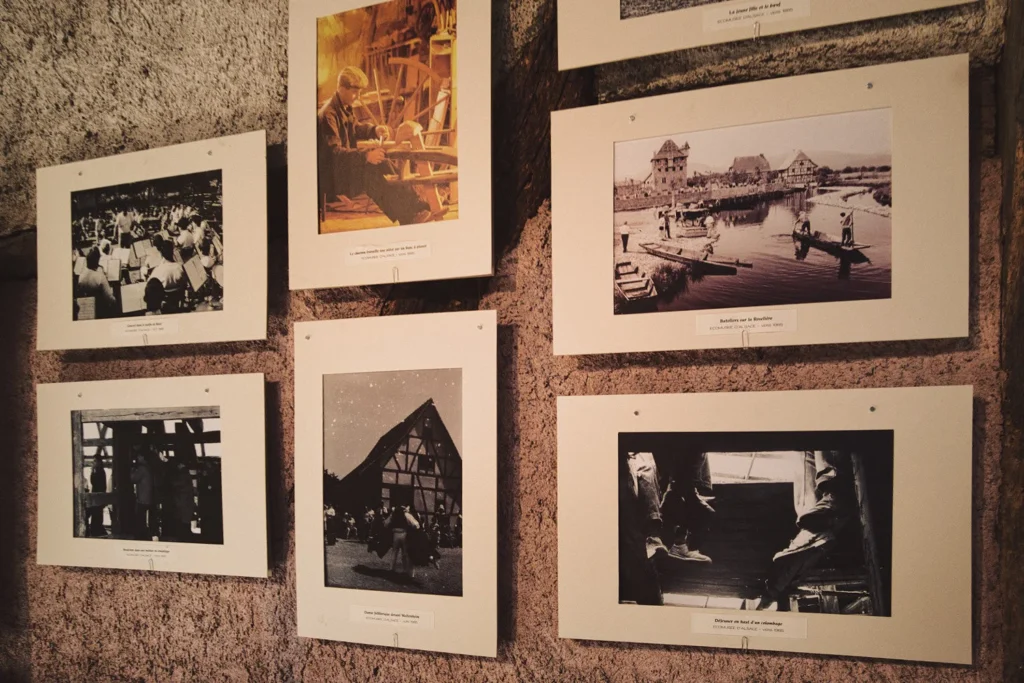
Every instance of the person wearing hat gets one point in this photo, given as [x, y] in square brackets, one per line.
[344, 169]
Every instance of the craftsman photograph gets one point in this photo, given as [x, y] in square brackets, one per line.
[787, 212]
[832, 522]
[392, 486]
[148, 475]
[153, 247]
[642, 8]
[387, 127]
[759, 521]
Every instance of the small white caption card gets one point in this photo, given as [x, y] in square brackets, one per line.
[749, 12]
[396, 251]
[772, 626]
[404, 618]
[149, 325]
[747, 321]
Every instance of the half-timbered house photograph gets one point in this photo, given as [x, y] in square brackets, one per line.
[392, 493]
[148, 474]
[387, 123]
[784, 212]
[772, 521]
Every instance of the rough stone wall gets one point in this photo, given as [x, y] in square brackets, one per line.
[91, 78]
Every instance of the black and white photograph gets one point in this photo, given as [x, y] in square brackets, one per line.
[643, 8]
[153, 247]
[148, 475]
[392, 481]
[786, 212]
[760, 521]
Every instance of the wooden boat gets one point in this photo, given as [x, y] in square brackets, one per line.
[829, 243]
[632, 284]
[696, 260]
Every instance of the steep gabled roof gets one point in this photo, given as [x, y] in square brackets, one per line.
[795, 156]
[386, 445]
[669, 150]
[750, 164]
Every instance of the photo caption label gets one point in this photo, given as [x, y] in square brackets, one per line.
[398, 251]
[403, 618]
[769, 626]
[747, 13]
[736, 323]
[140, 326]
[147, 553]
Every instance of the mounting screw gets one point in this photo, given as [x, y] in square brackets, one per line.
[870, 85]
[479, 327]
[79, 394]
[872, 409]
[308, 336]
[632, 118]
[636, 412]
[207, 390]
[210, 153]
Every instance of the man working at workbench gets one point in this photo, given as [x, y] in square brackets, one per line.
[346, 170]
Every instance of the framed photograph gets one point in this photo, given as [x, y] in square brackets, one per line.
[389, 155]
[624, 29]
[152, 236]
[790, 521]
[809, 219]
[396, 470]
[154, 474]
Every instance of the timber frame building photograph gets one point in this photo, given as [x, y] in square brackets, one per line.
[148, 474]
[415, 464]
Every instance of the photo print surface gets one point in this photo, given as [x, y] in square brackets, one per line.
[763, 521]
[148, 248]
[393, 481]
[642, 8]
[387, 116]
[148, 474]
[785, 212]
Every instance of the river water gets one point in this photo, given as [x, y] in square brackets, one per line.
[782, 273]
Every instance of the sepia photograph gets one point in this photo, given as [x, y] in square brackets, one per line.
[642, 8]
[387, 124]
[153, 247]
[392, 481]
[787, 212]
[148, 474]
[761, 521]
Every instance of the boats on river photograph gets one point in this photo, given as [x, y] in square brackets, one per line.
[778, 213]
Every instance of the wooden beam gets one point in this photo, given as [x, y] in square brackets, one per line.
[167, 438]
[878, 600]
[149, 414]
[77, 464]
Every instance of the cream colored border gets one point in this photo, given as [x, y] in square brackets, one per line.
[466, 625]
[592, 32]
[243, 472]
[243, 162]
[458, 248]
[930, 249]
[931, 516]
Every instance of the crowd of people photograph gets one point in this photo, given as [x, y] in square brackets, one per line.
[148, 248]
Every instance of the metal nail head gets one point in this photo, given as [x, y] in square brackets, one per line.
[870, 85]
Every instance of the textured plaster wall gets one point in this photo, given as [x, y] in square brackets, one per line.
[91, 78]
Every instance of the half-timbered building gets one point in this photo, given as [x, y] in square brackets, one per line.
[415, 463]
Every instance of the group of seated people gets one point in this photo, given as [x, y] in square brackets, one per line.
[164, 275]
